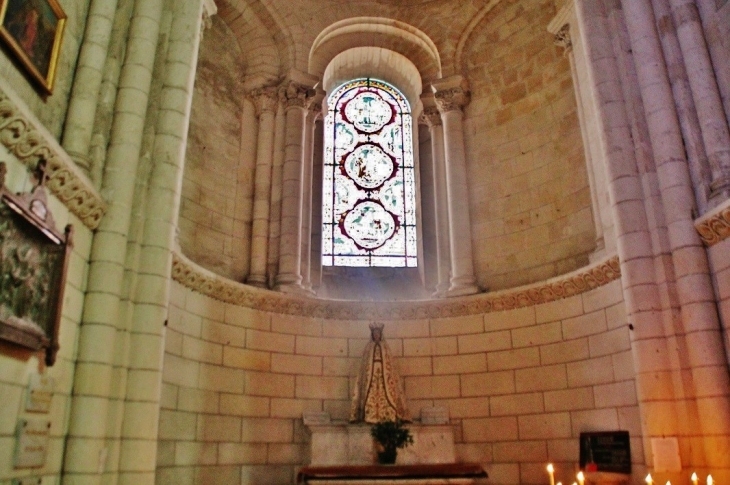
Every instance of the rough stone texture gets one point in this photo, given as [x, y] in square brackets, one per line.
[214, 229]
[530, 199]
[522, 411]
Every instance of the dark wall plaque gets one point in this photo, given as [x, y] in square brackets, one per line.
[608, 451]
[34, 258]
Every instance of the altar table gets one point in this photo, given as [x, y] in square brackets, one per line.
[451, 473]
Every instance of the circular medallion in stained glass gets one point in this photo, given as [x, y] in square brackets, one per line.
[368, 112]
[369, 224]
[369, 166]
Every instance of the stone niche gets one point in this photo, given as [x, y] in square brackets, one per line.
[351, 444]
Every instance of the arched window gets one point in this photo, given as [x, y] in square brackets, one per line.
[368, 198]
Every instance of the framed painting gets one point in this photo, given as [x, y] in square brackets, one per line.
[34, 258]
[33, 30]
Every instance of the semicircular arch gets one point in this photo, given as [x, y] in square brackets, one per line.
[376, 63]
[388, 34]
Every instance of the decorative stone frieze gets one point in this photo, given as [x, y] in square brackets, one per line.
[19, 135]
[430, 116]
[452, 99]
[562, 38]
[714, 226]
[203, 281]
[265, 100]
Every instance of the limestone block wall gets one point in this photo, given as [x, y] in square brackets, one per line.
[215, 214]
[520, 384]
[51, 111]
[17, 365]
[719, 256]
[530, 197]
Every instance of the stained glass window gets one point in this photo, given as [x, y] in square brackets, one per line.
[369, 195]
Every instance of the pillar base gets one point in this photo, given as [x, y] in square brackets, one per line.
[293, 289]
[259, 281]
[461, 290]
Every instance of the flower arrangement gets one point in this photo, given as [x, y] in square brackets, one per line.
[390, 435]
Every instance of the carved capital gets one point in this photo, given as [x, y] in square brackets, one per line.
[714, 227]
[430, 116]
[451, 99]
[562, 38]
[295, 95]
[265, 100]
[209, 9]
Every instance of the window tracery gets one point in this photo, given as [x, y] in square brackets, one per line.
[369, 208]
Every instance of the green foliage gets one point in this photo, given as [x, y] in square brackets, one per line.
[391, 434]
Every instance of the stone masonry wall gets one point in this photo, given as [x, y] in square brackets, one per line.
[520, 385]
[530, 198]
[214, 228]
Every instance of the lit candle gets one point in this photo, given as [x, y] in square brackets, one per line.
[694, 479]
[669, 483]
[649, 480]
[551, 472]
[581, 478]
[709, 480]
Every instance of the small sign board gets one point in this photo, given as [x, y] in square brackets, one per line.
[606, 451]
[40, 393]
[33, 437]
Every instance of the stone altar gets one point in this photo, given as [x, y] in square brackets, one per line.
[351, 444]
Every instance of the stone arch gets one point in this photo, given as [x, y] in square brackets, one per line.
[459, 55]
[266, 53]
[389, 34]
[375, 62]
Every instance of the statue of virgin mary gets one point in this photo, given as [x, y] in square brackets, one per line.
[378, 394]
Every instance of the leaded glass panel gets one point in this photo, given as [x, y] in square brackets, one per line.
[369, 186]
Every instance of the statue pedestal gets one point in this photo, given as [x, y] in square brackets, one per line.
[351, 444]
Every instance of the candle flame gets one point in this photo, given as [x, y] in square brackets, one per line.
[580, 476]
[709, 480]
[694, 477]
[550, 468]
[648, 479]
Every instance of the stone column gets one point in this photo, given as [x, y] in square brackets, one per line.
[313, 114]
[137, 461]
[441, 207]
[700, 323]
[717, 42]
[686, 111]
[451, 97]
[706, 96]
[296, 98]
[272, 259]
[653, 366]
[563, 39]
[87, 82]
[266, 103]
[86, 446]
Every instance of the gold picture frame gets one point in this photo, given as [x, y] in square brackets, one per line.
[33, 31]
